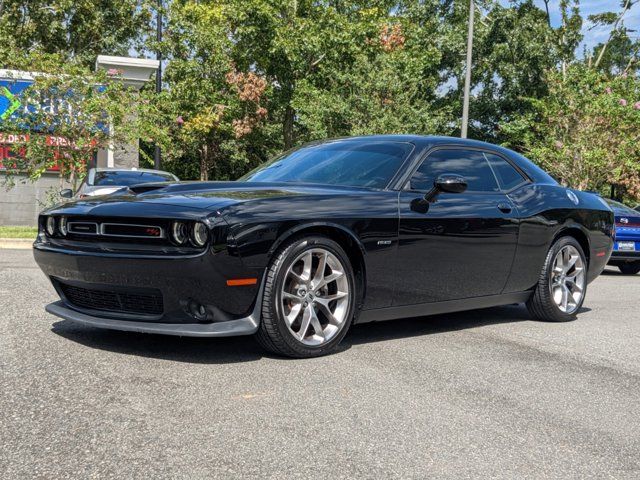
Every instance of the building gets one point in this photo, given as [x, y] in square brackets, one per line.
[20, 204]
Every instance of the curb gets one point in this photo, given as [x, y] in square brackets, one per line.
[17, 243]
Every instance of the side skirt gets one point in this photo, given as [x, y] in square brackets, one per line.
[434, 308]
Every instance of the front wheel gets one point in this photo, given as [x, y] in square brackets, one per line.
[629, 268]
[309, 298]
[562, 284]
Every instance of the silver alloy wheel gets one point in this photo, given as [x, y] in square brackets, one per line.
[315, 297]
[567, 279]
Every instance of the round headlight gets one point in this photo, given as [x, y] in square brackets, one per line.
[51, 226]
[199, 234]
[179, 233]
[62, 226]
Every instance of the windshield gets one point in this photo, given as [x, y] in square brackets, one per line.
[347, 163]
[129, 177]
[620, 208]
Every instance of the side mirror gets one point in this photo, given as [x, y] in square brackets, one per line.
[66, 193]
[447, 182]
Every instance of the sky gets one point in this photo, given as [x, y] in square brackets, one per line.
[598, 35]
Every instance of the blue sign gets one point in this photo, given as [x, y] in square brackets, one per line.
[10, 91]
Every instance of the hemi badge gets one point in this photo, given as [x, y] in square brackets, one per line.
[384, 242]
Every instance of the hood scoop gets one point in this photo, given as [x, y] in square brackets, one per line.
[146, 187]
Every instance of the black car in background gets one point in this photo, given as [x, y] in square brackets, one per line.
[330, 234]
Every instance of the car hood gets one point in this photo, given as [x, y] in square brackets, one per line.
[162, 199]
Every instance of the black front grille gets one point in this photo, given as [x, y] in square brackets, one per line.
[111, 301]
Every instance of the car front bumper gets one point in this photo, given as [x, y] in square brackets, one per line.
[231, 328]
[110, 290]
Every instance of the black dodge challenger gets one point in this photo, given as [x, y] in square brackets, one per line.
[327, 235]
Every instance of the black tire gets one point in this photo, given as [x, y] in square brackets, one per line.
[629, 268]
[541, 305]
[273, 333]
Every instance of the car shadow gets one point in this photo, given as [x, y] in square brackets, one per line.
[245, 349]
[433, 324]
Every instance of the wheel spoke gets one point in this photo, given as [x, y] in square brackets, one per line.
[572, 261]
[574, 282]
[322, 265]
[332, 277]
[293, 314]
[291, 297]
[563, 301]
[306, 321]
[306, 268]
[315, 323]
[327, 313]
[324, 300]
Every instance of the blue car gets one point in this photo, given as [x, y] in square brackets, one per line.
[626, 249]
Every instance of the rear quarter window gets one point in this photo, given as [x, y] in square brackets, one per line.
[506, 174]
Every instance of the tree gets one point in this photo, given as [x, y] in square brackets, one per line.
[69, 113]
[76, 30]
[217, 107]
[586, 131]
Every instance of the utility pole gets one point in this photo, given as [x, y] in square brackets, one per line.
[467, 80]
[156, 153]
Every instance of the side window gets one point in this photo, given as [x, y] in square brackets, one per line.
[508, 177]
[472, 165]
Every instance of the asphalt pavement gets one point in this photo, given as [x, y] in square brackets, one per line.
[488, 393]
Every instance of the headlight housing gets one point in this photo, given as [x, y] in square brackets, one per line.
[179, 234]
[62, 226]
[199, 234]
[50, 226]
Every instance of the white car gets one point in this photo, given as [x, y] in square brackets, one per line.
[105, 181]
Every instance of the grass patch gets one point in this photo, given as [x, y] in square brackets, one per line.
[18, 232]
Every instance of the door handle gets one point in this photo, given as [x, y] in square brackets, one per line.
[504, 207]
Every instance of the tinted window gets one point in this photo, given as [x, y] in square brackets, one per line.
[508, 177]
[336, 163]
[126, 178]
[472, 165]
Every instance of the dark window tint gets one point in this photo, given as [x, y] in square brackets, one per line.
[126, 178]
[470, 164]
[349, 163]
[508, 177]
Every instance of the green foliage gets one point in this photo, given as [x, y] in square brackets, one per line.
[72, 29]
[586, 131]
[18, 232]
[246, 79]
[67, 115]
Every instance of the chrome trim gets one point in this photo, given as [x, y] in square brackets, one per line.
[71, 224]
[102, 232]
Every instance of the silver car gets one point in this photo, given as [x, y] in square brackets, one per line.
[105, 181]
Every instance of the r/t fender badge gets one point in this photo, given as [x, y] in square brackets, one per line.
[384, 242]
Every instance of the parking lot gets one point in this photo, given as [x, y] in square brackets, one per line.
[487, 393]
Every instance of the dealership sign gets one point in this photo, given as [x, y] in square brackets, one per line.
[12, 108]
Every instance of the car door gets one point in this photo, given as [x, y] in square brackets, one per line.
[459, 245]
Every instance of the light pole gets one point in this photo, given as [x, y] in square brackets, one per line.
[467, 80]
[156, 153]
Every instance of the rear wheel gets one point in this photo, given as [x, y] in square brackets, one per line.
[629, 268]
[308, 302]
[562, 285]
